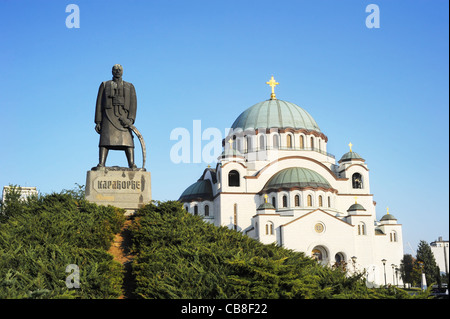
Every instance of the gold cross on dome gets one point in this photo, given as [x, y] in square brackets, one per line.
[272, 83]
[265, 198]
[387, 209]
[356, 200]
[350, 144]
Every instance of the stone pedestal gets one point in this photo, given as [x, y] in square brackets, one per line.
[120, 187]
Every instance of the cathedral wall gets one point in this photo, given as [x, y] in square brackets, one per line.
[305, 235]
[237, 209]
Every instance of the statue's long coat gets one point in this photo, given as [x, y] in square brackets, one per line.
[113, 135]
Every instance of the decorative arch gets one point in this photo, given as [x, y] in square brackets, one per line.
[320, 253]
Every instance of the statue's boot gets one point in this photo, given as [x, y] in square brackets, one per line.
[130, 157]
[103, 153]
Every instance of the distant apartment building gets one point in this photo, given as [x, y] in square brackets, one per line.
[24, 191]
[440, 251]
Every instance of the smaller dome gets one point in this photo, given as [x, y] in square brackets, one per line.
[296, 177]
[350, 156]
[266, 206]
[388, 217]
[201, 190]
[356, 207]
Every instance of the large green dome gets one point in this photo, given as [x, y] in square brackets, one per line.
[296, 177]
[199, 191]
[275, 114]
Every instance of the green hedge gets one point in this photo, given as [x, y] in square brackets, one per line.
[181, 256]
[40, 237]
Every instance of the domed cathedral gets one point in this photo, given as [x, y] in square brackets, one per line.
[276, 182]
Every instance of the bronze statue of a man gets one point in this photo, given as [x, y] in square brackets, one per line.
[114, 113]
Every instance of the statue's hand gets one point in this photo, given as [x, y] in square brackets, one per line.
[98, 128]
[125, 122]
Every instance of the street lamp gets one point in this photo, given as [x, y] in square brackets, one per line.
[393, 274]
[384, 266]
[396, 274]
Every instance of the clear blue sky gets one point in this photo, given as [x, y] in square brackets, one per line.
[385, 90]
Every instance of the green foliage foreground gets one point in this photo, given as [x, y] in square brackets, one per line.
[181, 256]
[41, 236]
[178, 255]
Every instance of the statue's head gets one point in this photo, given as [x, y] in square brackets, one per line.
[117, 70]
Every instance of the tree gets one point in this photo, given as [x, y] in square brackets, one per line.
[406, 268]
[12, 203]
[425, 255]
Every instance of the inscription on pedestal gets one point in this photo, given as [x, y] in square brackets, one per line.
[121, 188]
[125, 185]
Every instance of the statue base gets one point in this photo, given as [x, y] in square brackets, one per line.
[121, 187]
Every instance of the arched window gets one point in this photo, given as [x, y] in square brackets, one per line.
[302, 142]
[186, 208]
[320, 144]
[276, 141]
[285, 201]
[393, 236]
[357, 180]
[206, 210]
[273, 201]
[195, 210]
[262, 142]
[309, 201]
[320, 201]
[297, 200]
[329, 201]
[339, 258]
[269, 228]
[233, 179]
[289, 141]
[361, 228]
[312, 143]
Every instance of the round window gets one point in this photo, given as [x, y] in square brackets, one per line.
[319, 228]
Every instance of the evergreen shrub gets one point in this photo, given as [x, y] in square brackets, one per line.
[41, 236]
[178, 255]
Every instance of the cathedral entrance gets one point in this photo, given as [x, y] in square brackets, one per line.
[320, 254]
